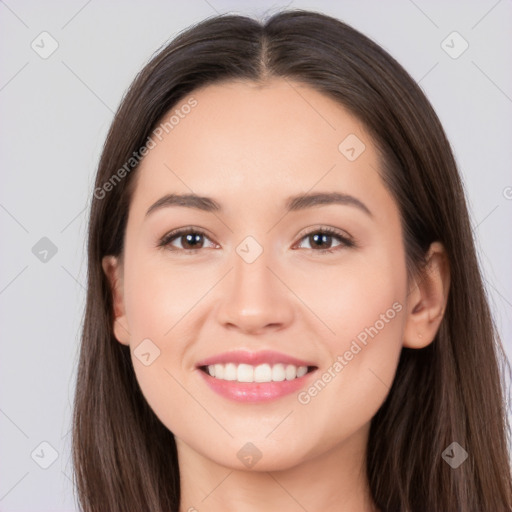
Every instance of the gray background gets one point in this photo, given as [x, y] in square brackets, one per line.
[56, 113]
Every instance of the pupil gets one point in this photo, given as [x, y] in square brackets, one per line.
[320, 238]
[191, 239]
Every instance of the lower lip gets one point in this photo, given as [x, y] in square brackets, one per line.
[254, 391]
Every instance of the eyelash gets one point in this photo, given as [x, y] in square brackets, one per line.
[169, 237]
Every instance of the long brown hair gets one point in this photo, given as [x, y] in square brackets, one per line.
[125, 459]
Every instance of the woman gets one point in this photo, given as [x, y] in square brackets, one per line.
[284, 310]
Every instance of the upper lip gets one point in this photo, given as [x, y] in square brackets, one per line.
[253, 358]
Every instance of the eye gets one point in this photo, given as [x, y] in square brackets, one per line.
[190, 239]
[325, 236]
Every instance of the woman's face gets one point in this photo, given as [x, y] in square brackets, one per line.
[257, 287]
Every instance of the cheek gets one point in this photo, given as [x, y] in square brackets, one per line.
[366, 310]
[368, 318]
[350, 295]
[159, 295]
[160, 303]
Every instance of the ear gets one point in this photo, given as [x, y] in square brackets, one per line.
[427, 298]
[113, 270]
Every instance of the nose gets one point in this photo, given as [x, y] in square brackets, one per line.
[255, 297]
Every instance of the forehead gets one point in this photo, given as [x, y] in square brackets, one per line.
[252, 142]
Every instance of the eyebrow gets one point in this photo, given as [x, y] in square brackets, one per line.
[292, 204]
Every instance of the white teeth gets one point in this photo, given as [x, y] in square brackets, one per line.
[219, 371]
[290, 372]
[301, 371]
[278, 374]
[261, 373]
[230, 371]
[245, 373]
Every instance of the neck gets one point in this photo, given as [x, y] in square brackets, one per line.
[334, 481]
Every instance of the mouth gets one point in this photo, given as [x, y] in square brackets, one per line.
[262, 373]
[252, 377]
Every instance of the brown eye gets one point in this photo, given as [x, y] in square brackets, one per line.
[189, 240]
[322, 239]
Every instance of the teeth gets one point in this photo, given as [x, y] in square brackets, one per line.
[219, 371]
[278, 374]
[301, 371]
[245, 373]
[261, 373]
[291, 371]
[230, 371]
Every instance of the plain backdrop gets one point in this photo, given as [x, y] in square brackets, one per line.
[56, 110]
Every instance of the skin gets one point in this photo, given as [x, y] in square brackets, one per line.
[250, 147]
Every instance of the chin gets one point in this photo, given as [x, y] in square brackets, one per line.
[257, 456]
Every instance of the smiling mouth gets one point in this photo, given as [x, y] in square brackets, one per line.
[246, 373]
